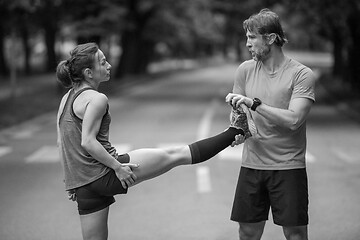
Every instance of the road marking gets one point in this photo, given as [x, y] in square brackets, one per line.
[169, 145]
[122, 148]
[203, 172]
[309, 157]
[46, 154]
[26, 133]
[205, 123]
[203, 179]
[344, 156]
[232, 153]
[5, 150]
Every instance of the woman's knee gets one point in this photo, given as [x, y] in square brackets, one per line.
[178, 154]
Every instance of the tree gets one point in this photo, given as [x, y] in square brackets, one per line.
[4, 15]
[17, 14]
[338, 22]
[353, 22]
[46, 16]
[185, 28]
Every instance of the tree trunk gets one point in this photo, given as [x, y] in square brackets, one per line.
[137, 51]
[354, 49]
[338, 47]
[50, 33]
[136, 56]
[49, 21]
[144, 55]
[128, 58]
[85, 39]
[4, 69]
[25, 41]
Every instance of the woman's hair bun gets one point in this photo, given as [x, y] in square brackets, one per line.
[63, 74]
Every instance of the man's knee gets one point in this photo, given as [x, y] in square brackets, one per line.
[296, 233]
[251, 231]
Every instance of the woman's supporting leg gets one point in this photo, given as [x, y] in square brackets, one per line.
[94, 225]
[154, 162]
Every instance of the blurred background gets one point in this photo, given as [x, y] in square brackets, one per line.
[35, 34]
[173, 62]
[146, 36]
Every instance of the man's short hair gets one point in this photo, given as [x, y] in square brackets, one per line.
[266, 22]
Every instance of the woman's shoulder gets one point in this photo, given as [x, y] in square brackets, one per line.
[95, 95]
[96, 98]
[90, 99]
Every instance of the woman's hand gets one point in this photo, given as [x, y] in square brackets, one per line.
[71, 195]
[125, 175]
[236, 99]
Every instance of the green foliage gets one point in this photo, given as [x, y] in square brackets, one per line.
[173, 28]
[93, 17]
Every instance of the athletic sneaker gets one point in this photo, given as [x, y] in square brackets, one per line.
[241, 118]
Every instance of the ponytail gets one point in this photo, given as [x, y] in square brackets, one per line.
[70, 72]
[63, 74]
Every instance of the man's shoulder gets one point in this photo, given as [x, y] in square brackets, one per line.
[247, 65]
[298, 66]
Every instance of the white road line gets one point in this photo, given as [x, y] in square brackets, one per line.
[5, 150]
[46, 154]
[26, 133]
[309, 157]
[205, 123]
[168, 145]
[232, 153]
[344, 156]
[203, 172]
[203, 179]
[122, 148]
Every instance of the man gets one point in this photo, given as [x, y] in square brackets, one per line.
[280, 93]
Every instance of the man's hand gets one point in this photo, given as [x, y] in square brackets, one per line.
[236, 99]
[125, 175]
[239, 139]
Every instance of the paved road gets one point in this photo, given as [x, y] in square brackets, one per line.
[191, 202]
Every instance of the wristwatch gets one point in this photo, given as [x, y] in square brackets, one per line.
[256, 103]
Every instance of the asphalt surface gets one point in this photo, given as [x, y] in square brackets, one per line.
[189, 202]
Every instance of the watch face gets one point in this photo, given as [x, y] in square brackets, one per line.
[256, 103]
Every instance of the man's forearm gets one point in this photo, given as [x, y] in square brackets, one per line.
[281, 117]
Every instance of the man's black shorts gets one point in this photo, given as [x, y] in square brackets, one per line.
[99, 194]
[286, 191]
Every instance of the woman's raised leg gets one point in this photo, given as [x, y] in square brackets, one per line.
[154, 162]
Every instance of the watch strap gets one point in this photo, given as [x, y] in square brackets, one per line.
[256, 103]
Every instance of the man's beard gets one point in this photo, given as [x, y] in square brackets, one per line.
[262, 54]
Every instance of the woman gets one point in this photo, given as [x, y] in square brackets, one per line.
[93, 171]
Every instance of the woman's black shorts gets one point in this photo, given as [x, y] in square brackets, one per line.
[99, 194]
